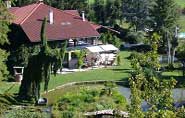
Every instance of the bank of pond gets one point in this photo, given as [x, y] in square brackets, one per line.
[78, 101]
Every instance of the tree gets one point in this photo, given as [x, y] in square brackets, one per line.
[100, 14]
[80, 5]
[109, 38]
[135, 37]
[146, 84]
[5, 20]
[108, 12]
[165, 15]
[39, 68]
[80, 56]
[116, 41]
[24, 2]
[135, 87]
[113, 10]
[174, 45]
[137, 12]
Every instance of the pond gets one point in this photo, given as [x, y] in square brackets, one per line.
[178, 95]
[164, 58]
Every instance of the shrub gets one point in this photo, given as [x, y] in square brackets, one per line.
[111, 39]
[99, 107]
[180, 113]
[133, 55]
[141, 48]
[56, 114]
[115, 41]
[118, 60]
[166, 114]
[75, 104]
[80, 56]
[3, 108]
[67, 114]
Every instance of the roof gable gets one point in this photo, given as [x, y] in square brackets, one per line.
[67, 24]
[21, 13]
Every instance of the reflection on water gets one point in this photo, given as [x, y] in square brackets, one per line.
[178, 95]
[125, 92]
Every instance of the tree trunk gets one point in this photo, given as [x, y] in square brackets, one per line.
[25, 90]
[173, 55]
[183, 69]
[169, 50]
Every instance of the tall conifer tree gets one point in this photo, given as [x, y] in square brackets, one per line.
[5, 19]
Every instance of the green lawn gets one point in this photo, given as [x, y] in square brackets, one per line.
[181, 20]
[181, 23]
[111, 73]
[54, 96]
[9, 87]
[181, 3]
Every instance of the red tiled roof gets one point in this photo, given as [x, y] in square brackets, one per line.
[67, 24]
[73, 12]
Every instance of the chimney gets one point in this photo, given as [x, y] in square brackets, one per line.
[8, 4]
[83, 15]
[51, 17]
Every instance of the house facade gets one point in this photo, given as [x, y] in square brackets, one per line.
[62, 25]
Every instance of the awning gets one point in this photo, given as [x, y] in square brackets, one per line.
[109, 47]
[95, 49]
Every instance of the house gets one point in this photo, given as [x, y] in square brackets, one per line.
[62, 25]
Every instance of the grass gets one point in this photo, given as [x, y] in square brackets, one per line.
[54, 96]
[181, 23]
[181, 3]
[9, 87]
[176, 74]
[111, 73]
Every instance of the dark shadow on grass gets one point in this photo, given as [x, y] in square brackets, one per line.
[180, 80]
[124, 82]
[124, 49]
[8, 99]
[119, 69]
[122, 70]
[166, 68]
